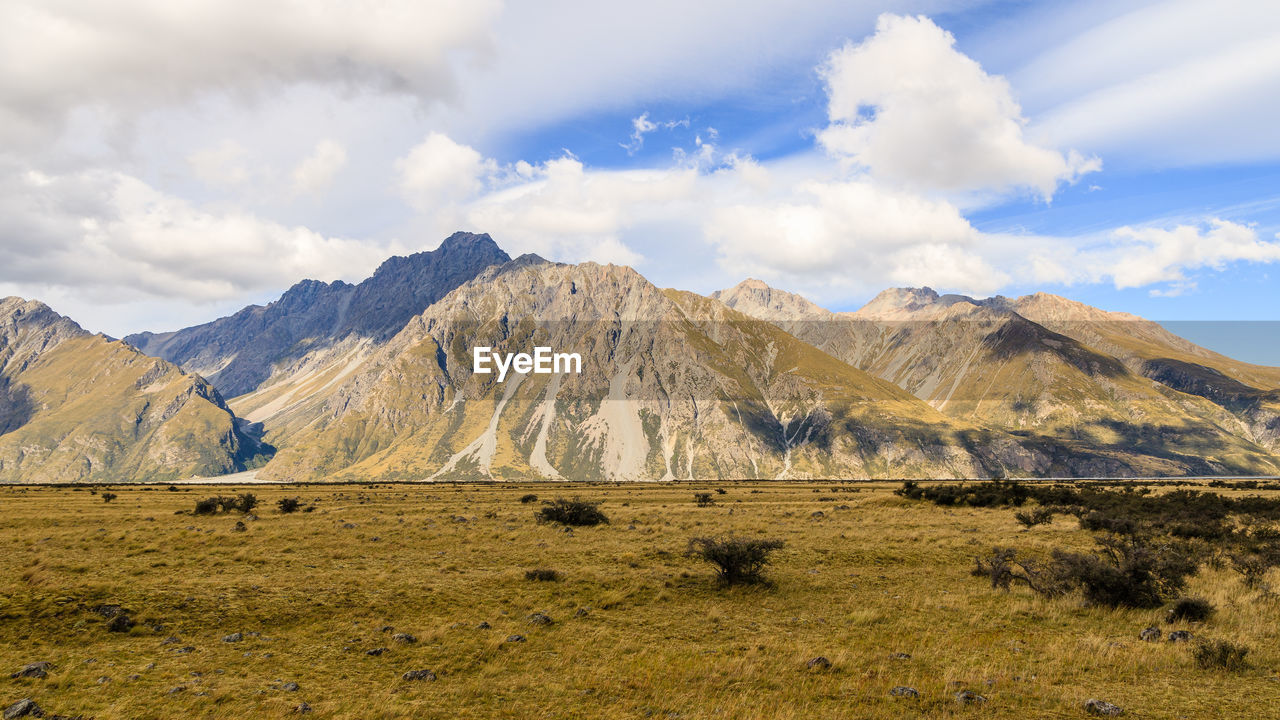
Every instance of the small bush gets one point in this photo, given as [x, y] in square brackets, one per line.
[207, 506]
[703, 499]
[1039, 516]
[1220, 655]
[542, 575]
[572, 512]
[288, 505]
[108, 496]
[737, 560]
[246, 502]
[220, 503]
[530, 498]
[721, 491]
[1190, 609]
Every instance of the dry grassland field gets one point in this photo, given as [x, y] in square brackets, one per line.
[309, 609]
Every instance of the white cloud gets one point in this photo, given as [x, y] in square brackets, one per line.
[113, 237]
[439, 171]
[641, 126]
[225, 164]
[909, 108]
[851, 236]
[316, 172]
[133, 54]
[1168, 83]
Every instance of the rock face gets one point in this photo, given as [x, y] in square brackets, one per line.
[238, 353]
[673, 385]
[1073, 382]
[77, 407]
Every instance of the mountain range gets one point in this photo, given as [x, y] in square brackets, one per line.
[374, 381]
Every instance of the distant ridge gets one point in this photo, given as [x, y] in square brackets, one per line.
[239, 352]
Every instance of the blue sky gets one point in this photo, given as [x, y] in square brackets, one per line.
[1118, 153]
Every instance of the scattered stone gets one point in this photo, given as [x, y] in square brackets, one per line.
[26, 707]
[349, 526]
[239, 526]
[1180, 636]
[484, 625]
[1101, 707]
[290, 687]
[540, 619]
[375, 652]
[302, 709]
[404, 638]
[419, 675]
[104, 680]
[904, 691]
[1151, 634]
[184, 650]
[966, 697]
[819, 663]
[134, 676]
[171, 640]
[121, 623]
[233, 638]
[900, 656]
[177, 689]
[582, 612]
[107, 611]
[515, 638]
[817, 515]
[387, 629]
[33, 670]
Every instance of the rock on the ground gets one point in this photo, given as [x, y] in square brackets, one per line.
[515, 638]
[965, 697]
[540, 619]
[819, 663]
[1151, 634]
[33, 670]
[904, 691]
[290, 687]
[1095, 706]
[419, 675]
[26, 707]
[233, 638]
[404, 638]
[1180, 636]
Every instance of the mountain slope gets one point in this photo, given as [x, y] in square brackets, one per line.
[81, 407]
[673, 385]
[986, 363]
[238, 353]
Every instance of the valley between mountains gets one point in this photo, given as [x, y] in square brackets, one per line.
[374, 382]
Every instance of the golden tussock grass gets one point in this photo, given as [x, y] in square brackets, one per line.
[876, 575]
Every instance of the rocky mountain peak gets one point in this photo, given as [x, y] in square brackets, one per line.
[757, 299]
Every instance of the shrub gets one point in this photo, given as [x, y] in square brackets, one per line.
[1190, 609]
[1220, 655]
[1039, 516]
[542, 575]
[572, 512]
[737, 560]
[108, 496]
[247, 502]
[207, 506]
[288, 505]
[530, 498]
[703, 499]
[721, 491]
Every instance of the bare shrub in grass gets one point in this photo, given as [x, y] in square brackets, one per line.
[1039, 516]
[737, 560]
[108, 497]
[1190, 609]
[1220, 655]
[572, 512]
[703, 499]
[288, 505]
[542, 575]
[530, 498]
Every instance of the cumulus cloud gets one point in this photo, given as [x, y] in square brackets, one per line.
[1130, 257]
[911, 109]
[439, 171]
[114, 237]
[316, 172]
[853, 235]
[133, 54]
